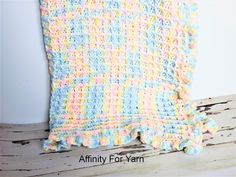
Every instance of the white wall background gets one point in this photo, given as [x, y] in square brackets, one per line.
[24, 74]
[24, 78]
[215, 73]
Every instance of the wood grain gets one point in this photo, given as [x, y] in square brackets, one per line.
[21, 152]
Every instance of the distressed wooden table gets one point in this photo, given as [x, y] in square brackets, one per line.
[21, 152]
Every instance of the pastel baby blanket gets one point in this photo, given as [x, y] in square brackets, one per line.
[121, 69]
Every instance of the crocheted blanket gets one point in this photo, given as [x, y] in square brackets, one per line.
[121, 69]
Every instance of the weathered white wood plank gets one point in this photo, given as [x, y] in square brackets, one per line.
[23, 127]
[213, 159]
[213, 100]
[21, 153]
[19, 136]
[47, 161]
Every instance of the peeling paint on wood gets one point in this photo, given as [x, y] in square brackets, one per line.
[22, 142]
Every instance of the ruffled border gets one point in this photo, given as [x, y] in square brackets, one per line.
[121, 136]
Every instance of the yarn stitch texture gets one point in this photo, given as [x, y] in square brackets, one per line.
[121, 69]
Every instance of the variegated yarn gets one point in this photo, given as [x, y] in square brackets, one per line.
[121, 69]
